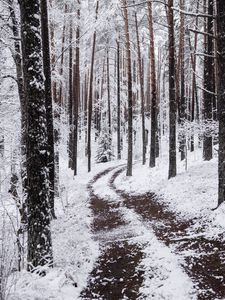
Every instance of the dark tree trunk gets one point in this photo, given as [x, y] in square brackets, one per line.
[130, 92]
[118, 102]
[221, 97]
[70, 102]
[172, 98]
[153, 89]
[76, 96]
[208, 83]
[90, 100]
[182, 82]
[108, 92]
[141, 92]
[39, 212]
[48, 101]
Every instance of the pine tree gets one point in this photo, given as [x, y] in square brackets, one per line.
[39, 234]
[221, 97]
[130, 92]
[172, 98]
[48, 102]
[104, 151]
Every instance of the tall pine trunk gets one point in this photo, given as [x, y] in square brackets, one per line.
[141, 78]
[90, 97]
[153, 89]
[118, 103]
[130, 92]
[208, 93]
[38, 208]
[48, 101]
[172, 98]
[221, 97]
[76, 95]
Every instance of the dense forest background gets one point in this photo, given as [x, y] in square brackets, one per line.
[92, 81]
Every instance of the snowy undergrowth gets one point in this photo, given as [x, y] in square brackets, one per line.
[75, 251]
[163, 274]
[191, 194]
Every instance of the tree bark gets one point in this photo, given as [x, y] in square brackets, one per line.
[153, 89]
[70, 100]
[76, 95]
[182, 82]
[48, 102]
[141, 78]
[118, 102]
[130, 92]
[90, 98]
[39, 234]
[208, 83]
[172, 98]
[221, 98]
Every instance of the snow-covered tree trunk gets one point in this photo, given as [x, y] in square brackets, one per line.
[48, 101]
[172, 97]
[141, 78]
[221, 97]
[153, 88]
[209, 87]
[130, 92]
[118, 102]
[76, 94]
[90, 100]
[39, 234]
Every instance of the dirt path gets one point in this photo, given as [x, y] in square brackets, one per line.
[204, 259]
[115, 275]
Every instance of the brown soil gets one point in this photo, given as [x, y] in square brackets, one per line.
[115, 275]
[204, 259]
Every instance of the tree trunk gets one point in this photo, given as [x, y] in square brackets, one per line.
[153, 89]
[90, 100]
[70, 102]
[76, 96]
[130, 92]
[208, 83]
[142, 92]
[182, 82]
[118, 102]
[172, 98]
[221, 100]
[48, 102]
[39, 234]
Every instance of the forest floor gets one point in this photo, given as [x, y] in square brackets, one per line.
[139, 237]
[147, 251]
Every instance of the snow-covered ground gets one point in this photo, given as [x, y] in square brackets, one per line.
[191, 194]
[164, 277]
[75, 251]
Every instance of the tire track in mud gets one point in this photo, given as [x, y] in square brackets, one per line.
[115, 275]
[204, 259]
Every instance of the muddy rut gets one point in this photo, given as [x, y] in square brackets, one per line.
[204, 259]
[115, 275]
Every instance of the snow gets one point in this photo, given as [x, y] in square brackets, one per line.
[164, 277]
[191, 194]
[75, 251]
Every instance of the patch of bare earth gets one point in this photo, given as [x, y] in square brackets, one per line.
[115, 275]
[204, 258]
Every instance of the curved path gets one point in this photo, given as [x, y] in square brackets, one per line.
[204, 259]
[114, 276]
[117, 274]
